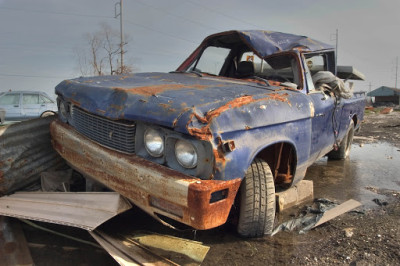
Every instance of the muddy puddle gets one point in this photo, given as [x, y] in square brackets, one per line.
[370, 167]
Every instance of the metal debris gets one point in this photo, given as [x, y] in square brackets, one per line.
[25, 152]
[85, 210]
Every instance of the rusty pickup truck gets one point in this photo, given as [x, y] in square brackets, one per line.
[243, 116]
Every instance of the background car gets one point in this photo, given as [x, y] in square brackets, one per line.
[24, 105]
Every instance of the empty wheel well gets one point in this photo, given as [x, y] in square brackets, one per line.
[282, 159]
[355, 119]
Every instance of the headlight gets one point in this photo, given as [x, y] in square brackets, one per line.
[154, 142]
[63, 110]
[186, 154]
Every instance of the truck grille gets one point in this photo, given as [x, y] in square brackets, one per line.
[119, 136]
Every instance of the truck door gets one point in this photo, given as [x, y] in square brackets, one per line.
[324, 124]
[326, 118]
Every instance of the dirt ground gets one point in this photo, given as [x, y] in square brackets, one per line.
[368, 236]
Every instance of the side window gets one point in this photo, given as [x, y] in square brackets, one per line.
[10, 99]
[282, 68]
[316, 63]
[44, 99]
[212, 60]
[29, 98]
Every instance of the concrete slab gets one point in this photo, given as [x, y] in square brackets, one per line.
[300, 193]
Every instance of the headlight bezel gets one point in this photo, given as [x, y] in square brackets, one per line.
[186, 147]
[205, 155]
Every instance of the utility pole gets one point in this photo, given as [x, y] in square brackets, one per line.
[337, 43]
[121, 31]
[397, 67]
[336, 50]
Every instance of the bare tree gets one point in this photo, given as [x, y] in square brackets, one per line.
[101, 56]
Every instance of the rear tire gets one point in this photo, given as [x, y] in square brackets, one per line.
[345, 146]
[47, 113]
[257, 201]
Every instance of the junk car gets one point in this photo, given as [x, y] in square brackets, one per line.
[242, 117]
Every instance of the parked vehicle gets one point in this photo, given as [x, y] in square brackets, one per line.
[24, 105]
[238, 120]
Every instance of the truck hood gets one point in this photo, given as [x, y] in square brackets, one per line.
[199, 106]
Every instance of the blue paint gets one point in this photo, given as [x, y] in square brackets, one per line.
[251, 114]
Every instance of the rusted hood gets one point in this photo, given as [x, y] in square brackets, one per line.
[180, 101]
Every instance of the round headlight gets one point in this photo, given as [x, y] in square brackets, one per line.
[185, 154]
[154, 142]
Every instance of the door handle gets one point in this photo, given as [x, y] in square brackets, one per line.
[16, 105]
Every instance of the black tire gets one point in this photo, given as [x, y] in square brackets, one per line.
[345, 146]
[257, 201]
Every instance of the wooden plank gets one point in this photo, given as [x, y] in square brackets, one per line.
[14, 249]
[128, 253]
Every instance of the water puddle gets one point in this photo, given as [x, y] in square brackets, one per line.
[370, 167]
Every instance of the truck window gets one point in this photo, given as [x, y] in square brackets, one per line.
[282, 68]
[316, 63]
[212, 60]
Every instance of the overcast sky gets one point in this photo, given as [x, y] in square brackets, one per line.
[38, 37]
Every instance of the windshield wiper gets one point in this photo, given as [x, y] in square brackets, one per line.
[198, 73]
[190, 71]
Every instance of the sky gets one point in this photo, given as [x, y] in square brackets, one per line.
[38, 37]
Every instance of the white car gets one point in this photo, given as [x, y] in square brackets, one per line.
[24, 105]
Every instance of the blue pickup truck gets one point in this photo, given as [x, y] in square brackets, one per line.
[243, 116]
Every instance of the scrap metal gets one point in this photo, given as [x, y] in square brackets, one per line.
[25, 152]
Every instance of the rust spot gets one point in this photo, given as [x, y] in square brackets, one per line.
[10, 247]
[75, 103]
[157, 89]
[204, 133]
[174, 123]
[205, 215]
[247, 127]
[167, 107]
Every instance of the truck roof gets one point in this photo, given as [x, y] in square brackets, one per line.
[265, 43]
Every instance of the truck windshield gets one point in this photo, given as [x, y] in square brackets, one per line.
[211, 60]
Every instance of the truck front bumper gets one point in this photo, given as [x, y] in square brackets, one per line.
[156, 189]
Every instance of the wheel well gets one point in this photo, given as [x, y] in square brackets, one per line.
[281, 158]
[355, 120]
